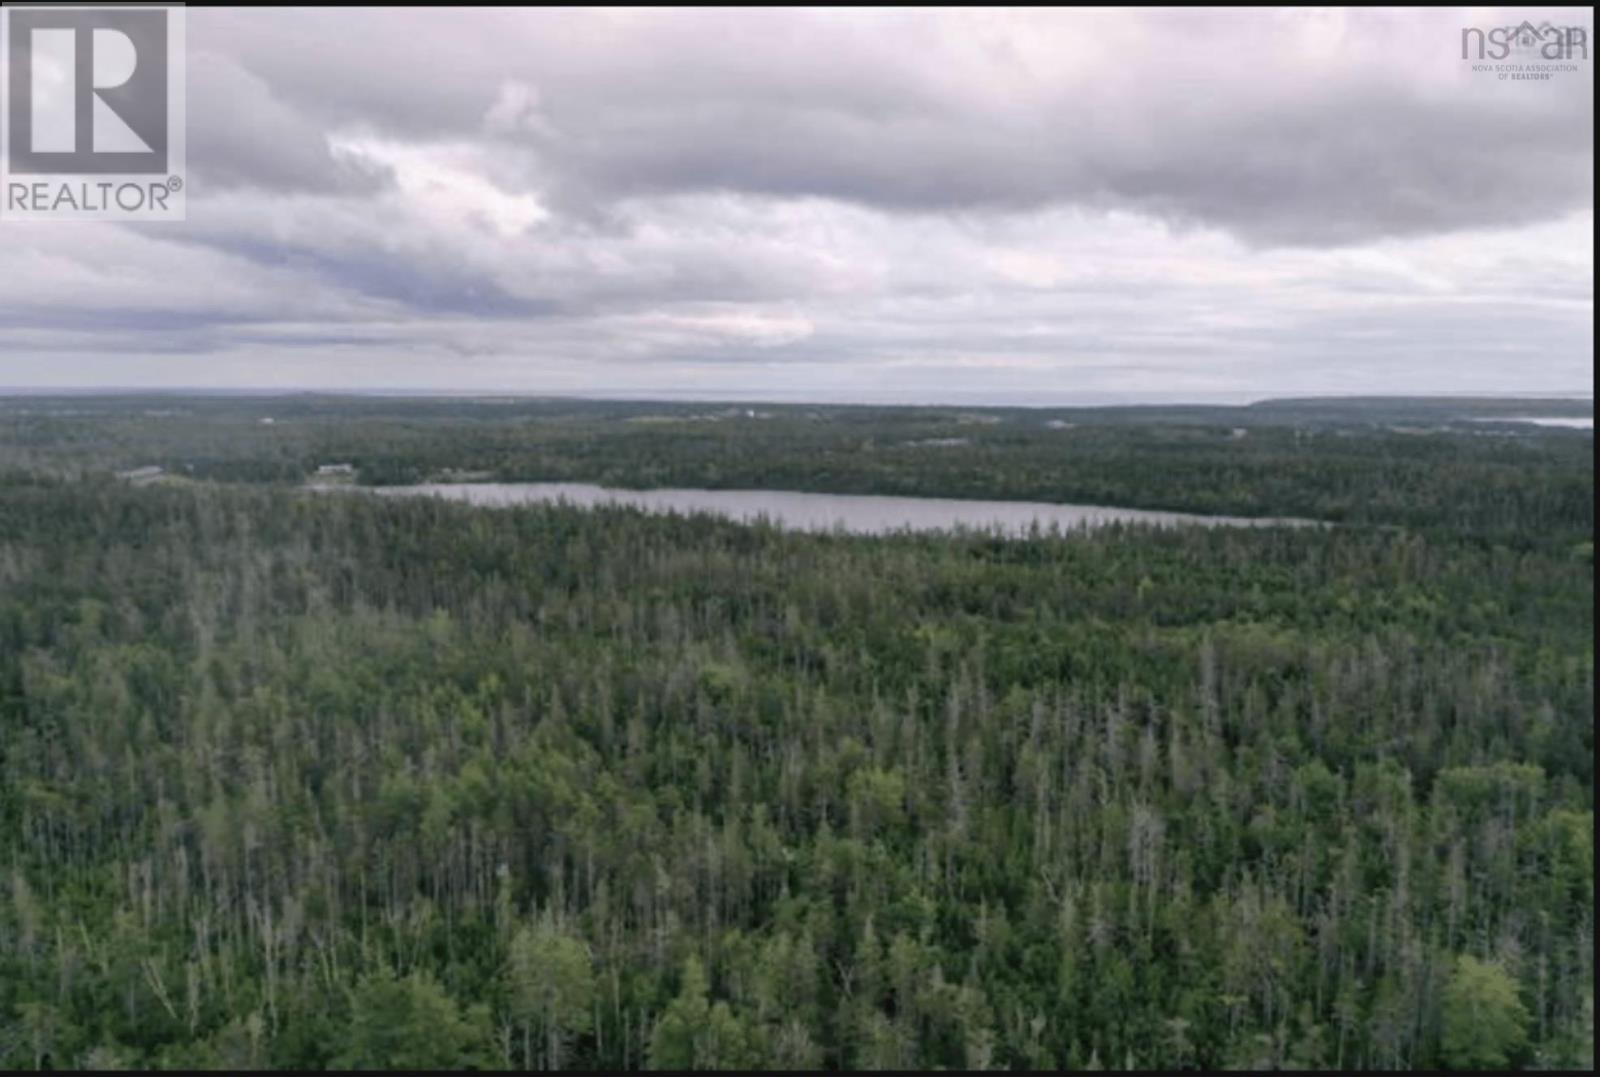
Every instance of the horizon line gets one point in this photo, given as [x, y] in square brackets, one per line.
[1087, 400]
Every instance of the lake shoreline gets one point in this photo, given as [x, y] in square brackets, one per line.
[801, 511]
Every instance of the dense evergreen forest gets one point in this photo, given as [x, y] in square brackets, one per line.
[291, 779]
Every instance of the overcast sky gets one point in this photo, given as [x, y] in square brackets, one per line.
[1029, 205]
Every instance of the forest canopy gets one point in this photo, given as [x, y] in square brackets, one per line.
[298, 780]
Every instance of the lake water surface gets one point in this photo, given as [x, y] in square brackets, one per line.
[854, 513]
[1570, 424]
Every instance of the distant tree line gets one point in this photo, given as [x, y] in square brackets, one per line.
[1421, 464]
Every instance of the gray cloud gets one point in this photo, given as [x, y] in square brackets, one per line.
[241, 134]
[1283, 127]
[870, 202]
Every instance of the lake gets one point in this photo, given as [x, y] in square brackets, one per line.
[1569, 424]
[854, 513]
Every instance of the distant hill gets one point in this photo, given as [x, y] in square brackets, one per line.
[1415, 409]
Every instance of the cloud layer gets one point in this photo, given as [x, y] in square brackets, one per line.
[913, 204]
